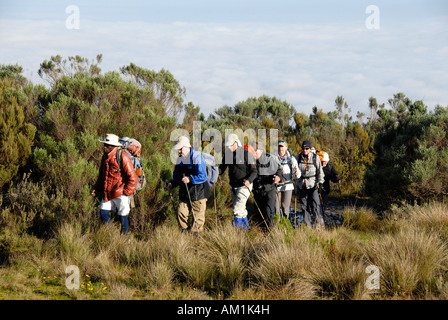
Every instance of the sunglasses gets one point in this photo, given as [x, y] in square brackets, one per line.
[306, 148]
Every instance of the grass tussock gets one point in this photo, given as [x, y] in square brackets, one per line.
[410, 262]
[408, 246]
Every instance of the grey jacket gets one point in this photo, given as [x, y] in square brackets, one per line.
[289, 166]
[311, 172]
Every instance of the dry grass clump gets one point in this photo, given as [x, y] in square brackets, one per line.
[227, 252]
[362, 219]
[310, 265]
[228, 263]
[431, 218]
[284, 258]
[409, 261]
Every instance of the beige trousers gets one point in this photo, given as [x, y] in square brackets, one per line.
[183, 213]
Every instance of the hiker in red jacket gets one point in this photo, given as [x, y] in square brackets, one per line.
[115, 183]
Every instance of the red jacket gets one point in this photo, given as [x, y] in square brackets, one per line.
[111, 182]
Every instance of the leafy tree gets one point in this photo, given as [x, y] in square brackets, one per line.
[83, 106]
[191, 115]
[163, 86]
[343, 111]
[16, 135]
[411, 153]
[13, 73]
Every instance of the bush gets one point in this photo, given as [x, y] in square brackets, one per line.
[411, 159]
[16, 135]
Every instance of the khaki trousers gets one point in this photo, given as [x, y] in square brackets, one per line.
[183, 213]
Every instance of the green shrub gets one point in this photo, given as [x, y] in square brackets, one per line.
[411, 159]
[16, 135]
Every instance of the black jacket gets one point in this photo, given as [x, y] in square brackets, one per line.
[330, 175]
[267, 167]
[241, 166]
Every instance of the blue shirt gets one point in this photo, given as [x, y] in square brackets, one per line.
[193, 166]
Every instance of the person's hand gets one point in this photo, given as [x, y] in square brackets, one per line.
[93, 193]
[321, 188]
[247, 183]
[276, 179]
[186, 180]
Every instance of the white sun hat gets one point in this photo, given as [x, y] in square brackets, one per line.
[111, 139]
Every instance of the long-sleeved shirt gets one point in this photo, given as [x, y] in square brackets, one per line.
[311, 171]
[289, 166]
[192, 166]
[241, 166]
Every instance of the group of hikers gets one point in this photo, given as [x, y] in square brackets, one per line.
[271, 178]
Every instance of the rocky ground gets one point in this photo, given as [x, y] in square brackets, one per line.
[333, 215]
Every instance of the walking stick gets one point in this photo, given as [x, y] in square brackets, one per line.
[214, 203]
[191, 205]
[321, 205]
[295, 204]
[267, 226]
[279, 200]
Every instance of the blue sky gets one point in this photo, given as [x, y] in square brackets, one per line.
[223, 52]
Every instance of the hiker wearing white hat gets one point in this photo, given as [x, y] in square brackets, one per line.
[115, 183]
[111, 140]
[190, 174]
[330, 175]
[242, 173]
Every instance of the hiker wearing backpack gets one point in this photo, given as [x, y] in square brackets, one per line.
[190, 175]
[310, 184]
[330, 175]
[269, 173]
[290, 172]
[115, 183]
[133, 148]
[242, 172]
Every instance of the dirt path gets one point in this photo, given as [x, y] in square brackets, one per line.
[333, 212]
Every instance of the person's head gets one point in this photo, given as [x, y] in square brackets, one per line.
[325, 159]
[260, 148]
[282, 147]
[232, 142]
[110, 142]
[182, 146]
[306, 147]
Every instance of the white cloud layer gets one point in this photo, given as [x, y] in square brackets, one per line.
[223, 63]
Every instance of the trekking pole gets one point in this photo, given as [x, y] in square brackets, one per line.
[191, 205]
[321, 203]
[295, 204]
[253, 197]
[214, 203]
[280, 208]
